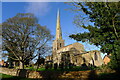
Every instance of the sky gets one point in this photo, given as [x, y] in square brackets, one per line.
[46, 12]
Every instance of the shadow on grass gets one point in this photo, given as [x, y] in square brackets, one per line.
[92, 75]
[109, 76]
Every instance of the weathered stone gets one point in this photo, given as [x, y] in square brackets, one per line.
[73, 53]
[76, 75]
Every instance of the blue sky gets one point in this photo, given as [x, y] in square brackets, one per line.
[46, 12]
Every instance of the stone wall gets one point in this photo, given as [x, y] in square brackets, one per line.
[46, 74]
[90, 58]
[55, 75]
[21, 73]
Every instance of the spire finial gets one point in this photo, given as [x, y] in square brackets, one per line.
[58, 28]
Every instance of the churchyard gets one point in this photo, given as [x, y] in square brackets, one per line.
[59, 73]
[49, 47]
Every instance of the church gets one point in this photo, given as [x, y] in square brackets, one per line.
[73, 53]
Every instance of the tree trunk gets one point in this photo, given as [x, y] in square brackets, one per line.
[21, 65]
[38, 61]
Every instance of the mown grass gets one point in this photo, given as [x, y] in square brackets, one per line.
[75, 68]
[9, 77]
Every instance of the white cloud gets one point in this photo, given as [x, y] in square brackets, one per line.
[38, 8]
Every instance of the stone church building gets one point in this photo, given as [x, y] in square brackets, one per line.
[73, 53]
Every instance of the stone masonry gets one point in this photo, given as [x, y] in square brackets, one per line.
[73, 53]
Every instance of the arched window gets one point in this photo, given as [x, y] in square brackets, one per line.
[60, 44]
[84, 60]
[95, 56]
[76, 60]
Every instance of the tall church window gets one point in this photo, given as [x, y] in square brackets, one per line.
[95, 56]
[60, 45]
[76, 60]
[84, 60]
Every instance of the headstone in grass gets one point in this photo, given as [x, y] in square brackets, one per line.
[46, 66]
[50, 65]
[55, 66]
[84, 66]
[66, 65]
[70, 66]
[61, 65]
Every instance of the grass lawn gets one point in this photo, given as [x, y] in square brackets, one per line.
[9, 77]
[75, 68]
[102, 76]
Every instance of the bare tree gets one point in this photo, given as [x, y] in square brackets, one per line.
[24, 37]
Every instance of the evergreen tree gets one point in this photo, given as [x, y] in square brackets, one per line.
[106, 29]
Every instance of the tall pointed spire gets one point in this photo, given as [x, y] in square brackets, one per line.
[58, 42]
[58, 28]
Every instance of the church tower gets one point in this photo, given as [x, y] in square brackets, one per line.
[58, 42]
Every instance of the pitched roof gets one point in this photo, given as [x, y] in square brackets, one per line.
[70, 45]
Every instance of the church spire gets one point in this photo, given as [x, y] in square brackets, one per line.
[58, 28]
[58, 42]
